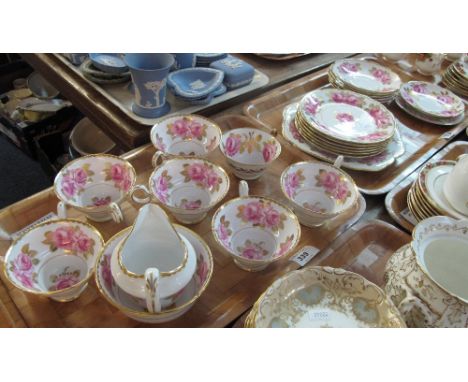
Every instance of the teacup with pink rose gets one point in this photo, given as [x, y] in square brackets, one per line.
[187, 187]
[95, 185]
[249, 151]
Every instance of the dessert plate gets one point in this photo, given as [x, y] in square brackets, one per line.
[431, 99]
[347, 116]
[371, 164]
[365, 75]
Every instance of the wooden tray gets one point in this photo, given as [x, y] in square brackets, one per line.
[395, 201]
[365, 249]
[421, 139]
[231, 291]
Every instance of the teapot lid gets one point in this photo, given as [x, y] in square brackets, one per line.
[152, 243]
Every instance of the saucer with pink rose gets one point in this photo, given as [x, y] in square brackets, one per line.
[318, 191]
[185, 135]
[249, 151]
[95, 185]
[187, 187]
[54, 259]
[256, 231]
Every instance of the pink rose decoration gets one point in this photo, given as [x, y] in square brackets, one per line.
[294, 131]
[79, 176]
[292, 182]
[269, 151]
[233, 144]
[99, 202]
[223, 234]
[65, 281]
[311, 105]
[202, 270]
[23, 263]
[252, 253]
[329, 179]
[341, 191]
[24, 278]
[381, 75]
[349, 99]
[212, 178]
[83, 243]
[161, 188]
[106, 271]
[347, 67]
[63, 237]
[197, 172]
[445, 99]
[380, 118]
[68, 186]
[272, 217]
[344, 117]
[253, 212]
[191, 205]
[196, 129]
[180, 128]
[419, 88]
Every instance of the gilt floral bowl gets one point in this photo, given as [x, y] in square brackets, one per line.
[249, 151]
[95, 185]
[131, 306]
[187, 187]
[54, 259]
[188, 135]
[255, 231]
[318, 191]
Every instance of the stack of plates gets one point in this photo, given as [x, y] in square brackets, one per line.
[426, 196]
[205, 59]
[431, 103]
[365, 77]
[344, 122]
[94, 74]
[456, 76]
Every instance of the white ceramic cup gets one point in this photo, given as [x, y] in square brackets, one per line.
[428, 63]
[456, 185]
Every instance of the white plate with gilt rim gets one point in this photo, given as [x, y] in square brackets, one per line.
[370, 164]
[347, 116]
[320, 297]
[431, 99]
[366, 75]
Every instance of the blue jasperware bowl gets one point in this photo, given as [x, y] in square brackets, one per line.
[195, 83]
[108, 62]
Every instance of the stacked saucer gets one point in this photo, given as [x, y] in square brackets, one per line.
[205, 59]
[344, 122]
[456, 76]
[426, 196]
[99, 76]
[431, 103]
[365, 77]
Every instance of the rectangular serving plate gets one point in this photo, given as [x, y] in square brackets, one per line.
[231, 291]
[421, 139]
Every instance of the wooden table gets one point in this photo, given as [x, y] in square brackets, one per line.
[129, 133]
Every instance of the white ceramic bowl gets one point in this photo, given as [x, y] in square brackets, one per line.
[187, 187]
[135, 309]
[255, 231]
[249, 151]
[95, 185]
[187, 135]
[318, 191]
[54, 259]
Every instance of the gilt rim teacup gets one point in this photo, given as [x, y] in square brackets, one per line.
[55, 258]
[249, 151]
[95, 184]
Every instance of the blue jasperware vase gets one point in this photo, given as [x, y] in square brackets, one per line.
[149, 74]
[184, 60]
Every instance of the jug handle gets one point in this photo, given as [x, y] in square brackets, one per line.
[461, 156]
[409, 303]
[243, 188]
[153, 302]
[61, 210]
[116, 212]
[338, 161]
[145, 199]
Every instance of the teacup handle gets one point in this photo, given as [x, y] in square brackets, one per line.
[243, 188]
[153, 302]
[116, 212]
[407, 305]
[338, 161]
[460, 157]
[61, 210]
[158, 158]
[144, 189]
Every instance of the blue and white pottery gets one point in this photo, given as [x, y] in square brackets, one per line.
[184, 60]
[237, 73]
[195, 82]
[219, 91]
[109, 62]
[149, 74]
[205, 59]
[198, 101]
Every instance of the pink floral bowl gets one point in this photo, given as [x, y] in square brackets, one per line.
[249, 151]
[318, 191]
[134, 308]
[255, 231]
[187, 135]
[54, 259]
[187, 187]
[95, 185]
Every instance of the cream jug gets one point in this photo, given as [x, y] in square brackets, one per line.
[153, 263]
